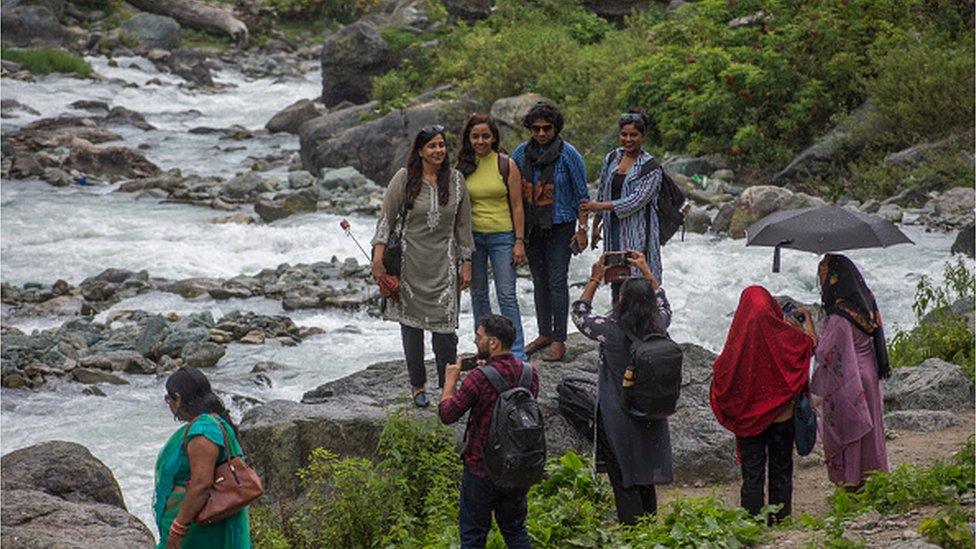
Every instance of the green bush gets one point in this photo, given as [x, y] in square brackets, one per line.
[696, 522]
[949, 528]
[46, 60]
[341, 11]
[939, 170]
[939, 333]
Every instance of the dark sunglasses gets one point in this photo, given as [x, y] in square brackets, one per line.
[536, 128]
[428, 132]
[631, 117]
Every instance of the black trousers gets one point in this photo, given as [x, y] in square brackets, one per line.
[549, 255]
[772, 447]
[634, 502]
[445, 350]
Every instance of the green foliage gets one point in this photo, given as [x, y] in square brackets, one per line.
[949, 528]
[696, 522]
[909, 486]
[267, 530]
[192, 38]
[941, 334]
[47, 60]
[341, 11]
[939, 170]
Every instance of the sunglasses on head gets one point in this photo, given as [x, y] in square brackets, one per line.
[631, 117]
[428, 132]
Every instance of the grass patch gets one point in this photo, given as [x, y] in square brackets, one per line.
[43, 61]
[192, 38]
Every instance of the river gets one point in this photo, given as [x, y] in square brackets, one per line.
[71, 233]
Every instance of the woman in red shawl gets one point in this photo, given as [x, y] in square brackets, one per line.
[762, 369]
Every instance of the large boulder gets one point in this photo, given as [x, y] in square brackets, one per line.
[965, 242]
[35, 520]
[351, 57]
[152, 31]
[755, 203]
[469, 10]
[63, 469]
[377, 148]
[346, 417]
[920, 420]
[303, 201]
[31, 25]
[292, 117]
[112, 163]
[932, 385]
[511, 110]
[955, 202]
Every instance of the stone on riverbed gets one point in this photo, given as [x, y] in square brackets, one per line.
[932, 385]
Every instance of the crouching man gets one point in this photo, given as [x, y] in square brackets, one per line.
[506, 450]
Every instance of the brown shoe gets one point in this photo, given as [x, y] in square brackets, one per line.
[555, 352]
[537, 344]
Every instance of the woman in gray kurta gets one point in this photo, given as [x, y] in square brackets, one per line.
[436, 260]
[638, 453]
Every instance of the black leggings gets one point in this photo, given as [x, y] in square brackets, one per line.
[634, 502]
[445, 350]
[774, 447]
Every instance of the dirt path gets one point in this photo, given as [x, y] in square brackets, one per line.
[811, 487]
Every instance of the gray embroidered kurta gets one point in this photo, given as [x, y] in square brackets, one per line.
[435, 240]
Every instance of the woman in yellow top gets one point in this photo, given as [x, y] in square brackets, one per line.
[494, 187]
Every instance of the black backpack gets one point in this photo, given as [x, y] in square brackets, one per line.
[576, 397]
[652, 381]
[515, 456]
[670, 201]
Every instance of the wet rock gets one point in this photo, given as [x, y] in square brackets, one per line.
[933, 385]
[121, 116]
[911, 197]
[347, 419]
[202, 354]
[300, 179]
[755, 203]
[511, 110]
[90, 376]
[388, 139]
[238, 218]
[955, 201]
[302, 201]
[341, 178]
[697, 220]
[267, 366]
[190, 288]
[291, 118]
[920, 420]
[119, 361]
[110, 162]
[965, 242]
[93, 390]
[246, 186]
[10, 107]
[63, 469]
[32, 25]
[351, 57]
[152, 31]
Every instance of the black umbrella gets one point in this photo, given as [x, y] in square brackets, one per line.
[823, 229]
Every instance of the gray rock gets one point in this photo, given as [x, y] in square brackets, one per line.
[388, 139]
[112, 163]
[871, 206]
[697, 220]
[300, 179]
[152, 31]
[911, 197]
[8, 108]
[119, 361]
[755, 203]
[89, 376]
[347, 415]
[335, 122]
[933, 385]
[916, 153]
[511, 110]
[955, 201]
[723, 219]
[177, 339]
[469, 10]
[63, 469]
[246, 185]
[890, 212]
[302, 201]
[202, 354]
[965, 242]
[724, 174]
[758, 18]
[351, 57]
[292, 117]
[920, 420]
[34, 520]
[27, 25]
[341, 178]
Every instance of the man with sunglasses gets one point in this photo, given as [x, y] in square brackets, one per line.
[553, 184]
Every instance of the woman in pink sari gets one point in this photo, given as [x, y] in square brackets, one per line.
[851, 359]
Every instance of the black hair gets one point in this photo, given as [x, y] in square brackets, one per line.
[546, 112]
[636, 309]
[196, 395]
[499, 327]
[415, 168]
[466, 162]
[636, 116]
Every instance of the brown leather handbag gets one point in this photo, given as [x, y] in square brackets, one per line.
[235, 486]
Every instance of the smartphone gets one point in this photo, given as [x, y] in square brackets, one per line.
[469, 363]
[615, 259]
[789, 309]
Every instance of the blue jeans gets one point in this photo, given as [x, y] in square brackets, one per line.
[479, 498]
[497, 247]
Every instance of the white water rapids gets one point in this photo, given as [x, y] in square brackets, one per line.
[48, 233]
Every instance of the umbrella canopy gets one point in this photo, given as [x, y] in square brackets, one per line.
[823, 229]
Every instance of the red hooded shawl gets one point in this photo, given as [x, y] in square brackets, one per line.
[763, 366]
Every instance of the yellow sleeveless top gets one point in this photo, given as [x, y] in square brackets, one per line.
[489, 197]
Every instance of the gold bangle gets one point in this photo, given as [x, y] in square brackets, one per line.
[595, 280]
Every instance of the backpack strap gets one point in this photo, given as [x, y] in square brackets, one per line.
[504, 168]
[496, 379]
[525, 380]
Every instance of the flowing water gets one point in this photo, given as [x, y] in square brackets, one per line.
[48, 233]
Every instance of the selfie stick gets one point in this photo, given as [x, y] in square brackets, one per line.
[345, 227]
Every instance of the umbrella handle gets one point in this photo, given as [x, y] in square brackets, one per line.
[776, 254]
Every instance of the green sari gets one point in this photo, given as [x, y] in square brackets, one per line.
[172, 474]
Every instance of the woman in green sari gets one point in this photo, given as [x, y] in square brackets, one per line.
[185, 467]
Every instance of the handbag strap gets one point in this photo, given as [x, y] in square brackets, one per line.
[223, 431]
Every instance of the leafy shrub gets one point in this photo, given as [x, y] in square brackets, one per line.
[342, 11]
[696, 522]
[47, 60]
[949, 528]
[942, 333]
